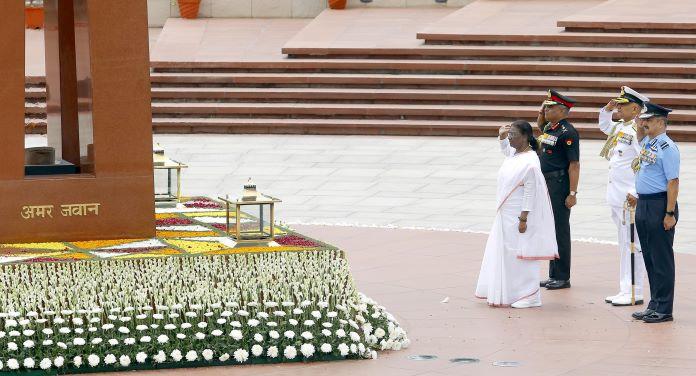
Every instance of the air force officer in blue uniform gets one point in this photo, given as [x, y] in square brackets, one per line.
[657, 212]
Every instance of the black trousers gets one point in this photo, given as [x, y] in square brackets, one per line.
[658, 253]
[559, 189]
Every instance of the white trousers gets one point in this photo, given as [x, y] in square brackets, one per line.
[624, 239]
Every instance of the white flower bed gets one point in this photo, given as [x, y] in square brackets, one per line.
[198, 228]
[222, 220]
[141, 244]
[248, 308]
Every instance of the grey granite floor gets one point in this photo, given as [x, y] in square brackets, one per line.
[407, 182]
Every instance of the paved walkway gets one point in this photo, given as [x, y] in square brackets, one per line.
[422, 182]
[442, 183]
[575, 333]
[222, 40]
[35, 56]
[509, 17]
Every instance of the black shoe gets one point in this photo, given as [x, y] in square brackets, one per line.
[655, 317]
[641, 314]
[557, 285]
[546, 282]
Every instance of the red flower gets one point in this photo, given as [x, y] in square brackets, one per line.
[297, 241]
[203, 204]
[50, 259]
[222, 226]
[173, 221]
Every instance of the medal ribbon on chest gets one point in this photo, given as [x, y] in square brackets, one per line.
[647, 156]
[624, 138]
[548, 139]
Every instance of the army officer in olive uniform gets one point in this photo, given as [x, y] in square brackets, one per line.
[559, 153]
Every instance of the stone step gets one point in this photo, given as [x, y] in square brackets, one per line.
[451, 96]
[364, 127]
[500, 52]
[349, 127]
[35, 110]
[441, 98]
[35, 93]
[329, 126]
[565, 39]
[377, 111]
[406, 96]
[513, 82]
[442, 66]
[628, 27]
[31, 81]
[641, 16]
[34, 126]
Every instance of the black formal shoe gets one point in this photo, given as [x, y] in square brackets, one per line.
[640, 314]
[655, 317]
[557, 285]
[546, 282]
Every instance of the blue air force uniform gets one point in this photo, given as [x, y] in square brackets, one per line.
[659, 163]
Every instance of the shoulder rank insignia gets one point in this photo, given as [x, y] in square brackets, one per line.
[664, 145]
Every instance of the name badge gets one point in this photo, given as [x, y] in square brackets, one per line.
[624, 138]
[548, 139]
[648, 156]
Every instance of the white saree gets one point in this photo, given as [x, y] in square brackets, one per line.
[510, 268]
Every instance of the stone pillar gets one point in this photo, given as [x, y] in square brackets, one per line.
[61, 81]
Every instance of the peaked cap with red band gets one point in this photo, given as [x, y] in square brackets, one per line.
[555, 98]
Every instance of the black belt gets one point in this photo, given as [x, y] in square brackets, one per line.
[652, 196]
[555, 174]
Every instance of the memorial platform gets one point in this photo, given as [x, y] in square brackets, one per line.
[573, 333]
[193, 296]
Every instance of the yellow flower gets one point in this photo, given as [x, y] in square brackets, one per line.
[183, 234]
[52, 246]
[197, 246]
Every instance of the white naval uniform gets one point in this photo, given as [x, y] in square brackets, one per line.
[622, 181]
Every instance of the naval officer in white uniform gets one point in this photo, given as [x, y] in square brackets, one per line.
[621, 149]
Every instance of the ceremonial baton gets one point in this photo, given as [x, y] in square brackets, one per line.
[632, 228]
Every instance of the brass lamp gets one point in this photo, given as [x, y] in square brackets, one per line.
[255, 232]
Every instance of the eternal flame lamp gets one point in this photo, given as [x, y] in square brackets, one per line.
[161, 162]
[250, 230]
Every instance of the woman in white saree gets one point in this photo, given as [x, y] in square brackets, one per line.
[523, 231]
